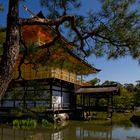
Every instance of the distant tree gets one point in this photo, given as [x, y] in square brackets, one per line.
[110, 83]
[125, 100]
[95, 81]
[113, 31]
[137, 94]
[138, 83]
[130, 87]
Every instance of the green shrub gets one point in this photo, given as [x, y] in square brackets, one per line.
[25, 124]
[45, 123]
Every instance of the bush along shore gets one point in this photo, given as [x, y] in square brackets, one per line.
[135, 119]
[25, 124]
[24, 118]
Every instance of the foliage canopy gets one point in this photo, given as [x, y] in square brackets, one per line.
[112, 31]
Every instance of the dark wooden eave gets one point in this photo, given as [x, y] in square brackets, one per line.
[96, 90]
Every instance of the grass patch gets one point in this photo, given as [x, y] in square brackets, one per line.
[118, 119]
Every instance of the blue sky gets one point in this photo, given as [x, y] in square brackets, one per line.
[123, 70]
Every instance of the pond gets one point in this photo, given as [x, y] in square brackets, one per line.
[75, 130]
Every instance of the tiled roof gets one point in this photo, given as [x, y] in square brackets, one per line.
[97, 90]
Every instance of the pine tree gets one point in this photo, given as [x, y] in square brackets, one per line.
[113, 31]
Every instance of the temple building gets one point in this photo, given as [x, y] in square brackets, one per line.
[49, 75]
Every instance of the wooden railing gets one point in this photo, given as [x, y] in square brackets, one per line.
[19, 102]
[60, 106]
[30, 74]
[11, 103]
[66, 77]
[94, 108]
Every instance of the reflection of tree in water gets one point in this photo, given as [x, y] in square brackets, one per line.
[94, 132]
[126, 124]
[122, 120]
[54, 132]
[74, 130]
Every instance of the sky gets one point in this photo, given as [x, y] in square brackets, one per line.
[122, 70]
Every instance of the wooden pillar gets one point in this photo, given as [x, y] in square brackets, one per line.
[108, 102]
[89, 104]
[83, 108]
[50, 94]
[96, 101]
[89, 100]
[61, 94]
[110, 106]
[35, 94]
[24, 96]
[81, 100]
[73, 100]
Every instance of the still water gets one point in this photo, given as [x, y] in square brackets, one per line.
[75, 130]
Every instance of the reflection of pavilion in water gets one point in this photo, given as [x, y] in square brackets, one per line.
[95, 132]
[76, 132]
[83, 133]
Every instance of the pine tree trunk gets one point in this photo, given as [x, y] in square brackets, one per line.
[11, 47]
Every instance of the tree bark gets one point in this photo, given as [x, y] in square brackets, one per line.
[11, 47]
